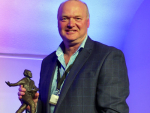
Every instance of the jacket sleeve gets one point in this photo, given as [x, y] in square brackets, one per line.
[113, 84]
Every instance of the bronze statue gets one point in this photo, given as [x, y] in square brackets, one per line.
[31, 89]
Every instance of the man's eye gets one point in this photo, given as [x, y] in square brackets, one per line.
[64, 18]
[78, 18]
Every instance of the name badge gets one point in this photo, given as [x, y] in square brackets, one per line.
[54, 99]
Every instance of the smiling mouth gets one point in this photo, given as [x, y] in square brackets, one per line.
[70, 31]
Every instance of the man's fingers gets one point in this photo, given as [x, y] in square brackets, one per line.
[21, 93]
[20, 97]
[28, 108]
[36, 95]
[22, 89]
[35, 99]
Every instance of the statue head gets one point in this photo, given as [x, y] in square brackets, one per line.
[27, 73]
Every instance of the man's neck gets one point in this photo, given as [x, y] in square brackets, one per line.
[28, 79]
[70, 48]
[69, 51]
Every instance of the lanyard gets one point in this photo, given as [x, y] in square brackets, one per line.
[60, 80]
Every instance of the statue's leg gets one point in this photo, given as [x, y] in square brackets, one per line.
[32, 106]
[22, 108]
[29, 101]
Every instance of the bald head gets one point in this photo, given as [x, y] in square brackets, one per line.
[84, 5]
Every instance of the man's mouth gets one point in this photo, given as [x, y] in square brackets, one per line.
[71, 31]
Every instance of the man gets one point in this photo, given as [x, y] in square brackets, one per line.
[96, 76]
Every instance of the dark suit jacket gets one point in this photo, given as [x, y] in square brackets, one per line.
[97, 82]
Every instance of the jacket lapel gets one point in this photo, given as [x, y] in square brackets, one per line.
[79, 62]
[49, 76]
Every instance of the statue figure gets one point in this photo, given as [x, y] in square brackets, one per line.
[31, 89]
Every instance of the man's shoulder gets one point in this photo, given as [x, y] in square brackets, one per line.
[98, 46]
[50, 56]
[104, 46]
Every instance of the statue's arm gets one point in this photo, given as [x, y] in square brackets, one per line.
[35, 88]
[21, 82]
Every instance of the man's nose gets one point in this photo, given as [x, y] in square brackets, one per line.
[71, 23]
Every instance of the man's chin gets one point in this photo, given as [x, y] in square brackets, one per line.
[71, 38]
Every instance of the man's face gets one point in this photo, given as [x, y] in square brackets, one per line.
[73, 22]
[29, 74]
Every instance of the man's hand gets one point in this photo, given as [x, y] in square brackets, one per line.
[22, 91]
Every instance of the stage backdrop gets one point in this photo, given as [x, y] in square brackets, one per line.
[28, 32]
